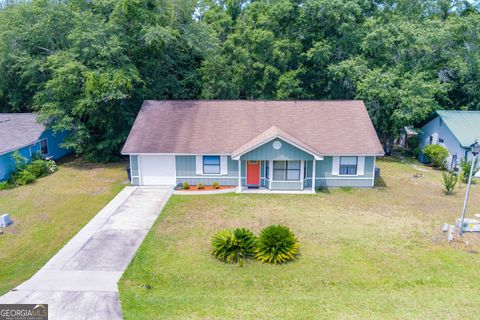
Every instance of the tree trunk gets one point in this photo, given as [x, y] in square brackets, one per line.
[387, 141]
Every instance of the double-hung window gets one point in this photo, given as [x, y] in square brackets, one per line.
[211, 164]
[286, 170]
[348, 166]
[43, 146]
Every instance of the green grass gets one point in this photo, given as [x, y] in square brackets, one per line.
[365, 254]
[49, 212]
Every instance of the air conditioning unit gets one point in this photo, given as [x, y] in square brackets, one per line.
[5, 220]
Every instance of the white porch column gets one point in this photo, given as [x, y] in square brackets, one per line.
[239, 176]
[302, 167]
[270, 174]
[314, 168]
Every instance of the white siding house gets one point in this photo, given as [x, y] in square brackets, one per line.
[455, 130]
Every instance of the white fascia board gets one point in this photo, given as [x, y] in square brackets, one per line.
[354, 155]
[173, 154]
[20, 147]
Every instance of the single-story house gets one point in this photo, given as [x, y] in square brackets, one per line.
[277, 145]
[21, 132]
[455, 130]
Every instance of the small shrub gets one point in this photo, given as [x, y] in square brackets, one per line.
[200, 186]
[20, 161]
[436, 154]
[276, 244]
[413, 145]
[233, 245]
[185, 186]
[466, 165]
[38, 168]
[24, 177]
[449, 182]
[4, 185]
[51, 166]
[215, 185]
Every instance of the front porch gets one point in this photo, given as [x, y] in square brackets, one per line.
[274, 162]
[276, 176]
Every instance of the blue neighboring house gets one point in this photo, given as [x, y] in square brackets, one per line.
[21, 132]
[454, 130]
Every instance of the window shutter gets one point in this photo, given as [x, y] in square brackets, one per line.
[223, 165]
[336, 166]
[361, 166]
[199, 164]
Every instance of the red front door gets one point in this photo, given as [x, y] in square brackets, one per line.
[253, 173]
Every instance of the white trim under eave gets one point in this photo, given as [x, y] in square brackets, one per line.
[229, 154]
[341, 178]
[174, 154]
[207, 177]
[21, 147]
[316, 156]
[355, 155]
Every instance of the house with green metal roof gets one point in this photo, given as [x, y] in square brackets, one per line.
[455, 130]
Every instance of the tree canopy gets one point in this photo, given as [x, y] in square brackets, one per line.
[86, 66]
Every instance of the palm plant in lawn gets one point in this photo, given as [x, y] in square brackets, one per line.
[449, 182]
[277, 244]
[233, 245]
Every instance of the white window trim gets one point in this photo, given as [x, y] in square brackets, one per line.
[131, 171]
[265, 171]
[350, 175]
[223, 165]
[199, 165]
[40, 145]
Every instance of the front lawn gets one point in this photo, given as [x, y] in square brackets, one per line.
[49, 212]
[365, 254]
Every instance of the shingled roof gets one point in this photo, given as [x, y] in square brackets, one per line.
[18, 130]
[225, 126]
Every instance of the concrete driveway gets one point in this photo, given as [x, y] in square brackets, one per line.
[80, 281]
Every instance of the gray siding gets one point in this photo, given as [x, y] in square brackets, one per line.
[286, 152]
[186, 172]
[286, 185]
[209, 181]
[354, 182]
[185, 166]
[324, 177]
[324, 168]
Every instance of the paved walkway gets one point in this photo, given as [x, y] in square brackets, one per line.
[80, 281]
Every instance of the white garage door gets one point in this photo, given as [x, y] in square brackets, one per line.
[157, 170]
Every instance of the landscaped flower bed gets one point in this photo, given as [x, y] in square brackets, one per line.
[200, 188]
